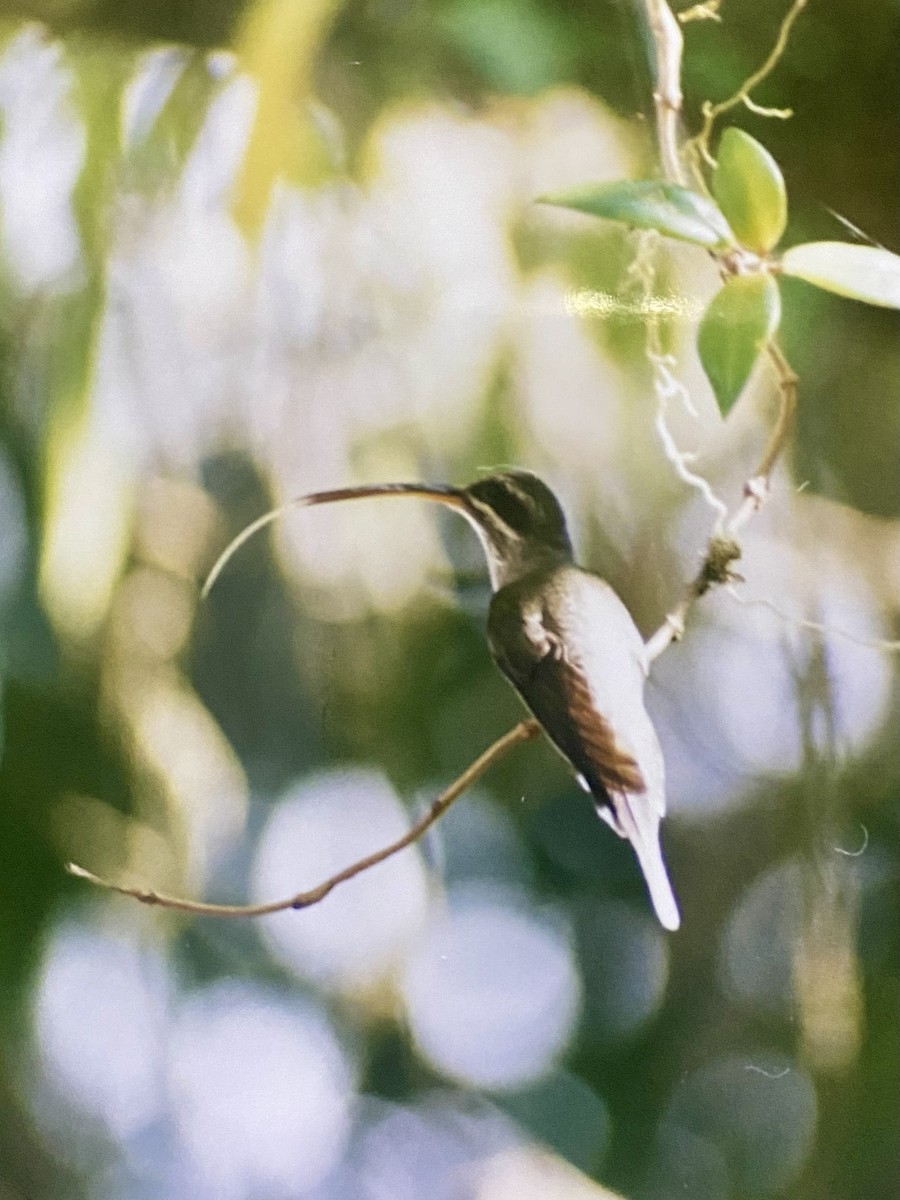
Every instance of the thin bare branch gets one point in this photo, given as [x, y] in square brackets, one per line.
[717, 569]
[525, 731]
[756, 489]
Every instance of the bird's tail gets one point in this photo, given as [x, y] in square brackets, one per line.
[650, 857]
[644, 836]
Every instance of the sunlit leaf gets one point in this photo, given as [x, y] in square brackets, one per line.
[866, 273]
[741, 318]
[674, 211]
[749, 187]
[87, 484]
[88, 507]
[100, 74]
[278, 44]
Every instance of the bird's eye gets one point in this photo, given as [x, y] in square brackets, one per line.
[512, 509]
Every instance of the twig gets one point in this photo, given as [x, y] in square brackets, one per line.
[525, 731]
[756, 489]
[711, 112]
[717, 569]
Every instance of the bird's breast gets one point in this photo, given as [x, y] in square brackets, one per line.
[603, 645]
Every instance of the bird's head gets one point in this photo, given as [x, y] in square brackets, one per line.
[520, 523]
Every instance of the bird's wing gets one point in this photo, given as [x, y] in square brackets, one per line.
[527, 644]
[573, 698]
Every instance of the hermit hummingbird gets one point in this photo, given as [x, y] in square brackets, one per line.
[566, 643]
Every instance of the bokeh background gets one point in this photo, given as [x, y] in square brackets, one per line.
[250, 250]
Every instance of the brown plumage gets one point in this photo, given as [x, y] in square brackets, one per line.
[615, 769]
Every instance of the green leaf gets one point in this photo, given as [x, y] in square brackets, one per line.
[278, 43]
[739, 321]
[518, 46]
[865, 273]
[749, 187]
[674, 211]
[100, 74]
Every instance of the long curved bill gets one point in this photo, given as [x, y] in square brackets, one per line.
[448, 496]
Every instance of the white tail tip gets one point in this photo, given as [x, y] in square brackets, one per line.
[650, 857]
[632, 821]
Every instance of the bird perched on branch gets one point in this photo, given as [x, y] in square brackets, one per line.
[568, 645]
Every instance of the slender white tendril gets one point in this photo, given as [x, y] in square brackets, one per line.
[882, 644]
[768, 1074]
[665, 384]
[666, 387]
[855, 853]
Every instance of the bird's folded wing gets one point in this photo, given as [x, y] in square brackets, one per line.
[532, 655]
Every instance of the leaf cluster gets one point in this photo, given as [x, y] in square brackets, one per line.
[740, 219]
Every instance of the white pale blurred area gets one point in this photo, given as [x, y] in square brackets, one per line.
[257, 1086]
[261, 1091]
[492, 992]
[40, 159]
[449, 1146]
[357, 935]
[101, 1011]
[753, 689]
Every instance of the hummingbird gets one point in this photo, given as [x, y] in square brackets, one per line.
[566, 643]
